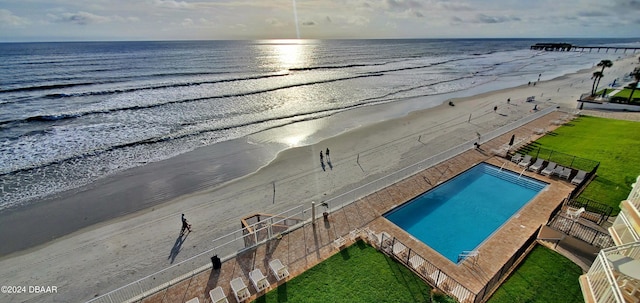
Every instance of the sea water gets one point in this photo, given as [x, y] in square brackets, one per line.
[72, 113]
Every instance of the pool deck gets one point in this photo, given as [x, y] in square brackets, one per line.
[307, 246]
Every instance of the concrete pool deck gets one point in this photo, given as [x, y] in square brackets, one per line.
[309, 245]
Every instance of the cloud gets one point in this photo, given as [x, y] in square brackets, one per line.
[454, 6]
[9, 19]
[187, 22]
[80, 18]
[627, 5]
[171, 4]
[358, 20]
[482, 18]
[275, 22]
[593, 14]
[403, 4]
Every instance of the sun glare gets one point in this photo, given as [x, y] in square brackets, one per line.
[290, 53]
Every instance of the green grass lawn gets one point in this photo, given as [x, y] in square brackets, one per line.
[358, 273]
[614, 143]
[545, 277]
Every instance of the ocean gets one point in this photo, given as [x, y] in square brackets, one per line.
[72, 113]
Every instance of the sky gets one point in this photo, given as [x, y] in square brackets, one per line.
[99, 20]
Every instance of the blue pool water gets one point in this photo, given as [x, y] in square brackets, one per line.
[461, 213]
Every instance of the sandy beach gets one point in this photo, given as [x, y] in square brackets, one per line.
[95, 239]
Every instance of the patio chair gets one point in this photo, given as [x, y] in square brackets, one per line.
[278, 269]
[536, 166]
[217, 295]
[574, 214]
[240, 290]
[516, 158]
[579, 177]
[258, 280]
[194, 300]
[547, 171]
[566, 172]
[399, 249]
[526, 161]
[558, 170]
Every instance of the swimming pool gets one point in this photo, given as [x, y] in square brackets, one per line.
[461, 213]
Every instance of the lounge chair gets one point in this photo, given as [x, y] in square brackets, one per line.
[217, 295]
[579, 177]
[558, 170]
[194, 300]
[536, 166]
[566, 172]
[399, 249]
[437, 278]
[278, 269]
[526, 161]
[547, 171]
[258, 280]
[240, 290]
[574, 214]
[516, 158]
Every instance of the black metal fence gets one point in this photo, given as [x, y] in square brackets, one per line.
[560, 158]
[595, 211]
[507, 268]
[581, 231]
[439, 279]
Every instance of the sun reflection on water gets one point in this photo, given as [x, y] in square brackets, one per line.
[290, 53]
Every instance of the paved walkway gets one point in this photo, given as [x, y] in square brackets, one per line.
[305, 247]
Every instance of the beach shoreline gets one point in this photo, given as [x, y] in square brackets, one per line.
[91, 209]
[99, 230]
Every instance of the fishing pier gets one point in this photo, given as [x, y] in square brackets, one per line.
[567, 47]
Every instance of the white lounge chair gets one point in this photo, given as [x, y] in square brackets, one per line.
[516, 158]
[566, 172]
[536, 166]
[240, 290]
[547, 171]
[526, 161]
[194, 300]
[399, 249]
[574, 214]
[217, 295]
[339, 242]
[278, 269]
[258, 280]
[437, 278]
[579, 177]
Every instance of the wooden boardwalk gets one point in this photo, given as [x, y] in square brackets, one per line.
[305, 247]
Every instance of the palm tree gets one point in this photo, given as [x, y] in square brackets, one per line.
[596, 77]
[636, 75]
[605, 64]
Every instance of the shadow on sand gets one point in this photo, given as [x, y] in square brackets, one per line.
[175, 250]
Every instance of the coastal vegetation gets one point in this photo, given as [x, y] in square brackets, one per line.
[543, 277]
[598, 75]
[613, 143]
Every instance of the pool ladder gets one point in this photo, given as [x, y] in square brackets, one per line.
[503, 164]
[522, 172]
[469, 253]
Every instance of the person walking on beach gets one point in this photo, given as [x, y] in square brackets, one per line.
[185, 225]
[327, 153]
[495, 108]
[321, 157]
